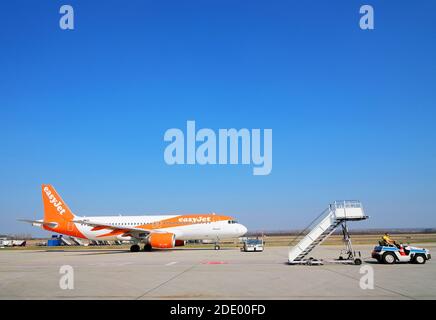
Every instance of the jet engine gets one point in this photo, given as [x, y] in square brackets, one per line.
[162, 240]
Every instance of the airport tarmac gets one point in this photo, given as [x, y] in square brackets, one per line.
[187, 273]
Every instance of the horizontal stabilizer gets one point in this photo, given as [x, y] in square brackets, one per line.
[39, 223]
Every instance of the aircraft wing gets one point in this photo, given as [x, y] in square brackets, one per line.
[99, 226]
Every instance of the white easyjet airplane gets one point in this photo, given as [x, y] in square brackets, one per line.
[154, 231]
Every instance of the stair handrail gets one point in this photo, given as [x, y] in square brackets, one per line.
[322, 214]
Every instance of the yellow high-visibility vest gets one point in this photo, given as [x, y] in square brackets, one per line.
[387, 239]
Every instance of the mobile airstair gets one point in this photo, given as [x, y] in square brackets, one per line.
[77, 241]
[66, 242]
[337, 214]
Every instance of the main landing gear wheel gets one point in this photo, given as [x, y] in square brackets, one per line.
[134, 248]
[217, 247]
[147, 247]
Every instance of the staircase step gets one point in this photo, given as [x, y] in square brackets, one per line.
[325, 233]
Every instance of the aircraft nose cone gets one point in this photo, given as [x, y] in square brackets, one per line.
[242, 229]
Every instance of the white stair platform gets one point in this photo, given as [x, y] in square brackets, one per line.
[332, 217]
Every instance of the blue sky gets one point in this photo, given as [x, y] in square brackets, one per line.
[353, 112]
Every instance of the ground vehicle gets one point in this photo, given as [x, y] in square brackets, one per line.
[392, 254]
[12, 243]
[252, 245]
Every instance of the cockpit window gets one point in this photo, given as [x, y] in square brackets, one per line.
[232, 221]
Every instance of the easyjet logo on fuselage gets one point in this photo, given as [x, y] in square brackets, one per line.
[56, 203]
[195, 219]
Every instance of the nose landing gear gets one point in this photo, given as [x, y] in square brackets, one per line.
[217, 244]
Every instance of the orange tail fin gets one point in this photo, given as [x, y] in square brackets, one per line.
[55, 209]
[57, 215]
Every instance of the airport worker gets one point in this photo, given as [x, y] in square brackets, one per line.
[388, 241]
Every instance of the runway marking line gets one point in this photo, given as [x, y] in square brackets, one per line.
[214, 262]
[171, 263]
